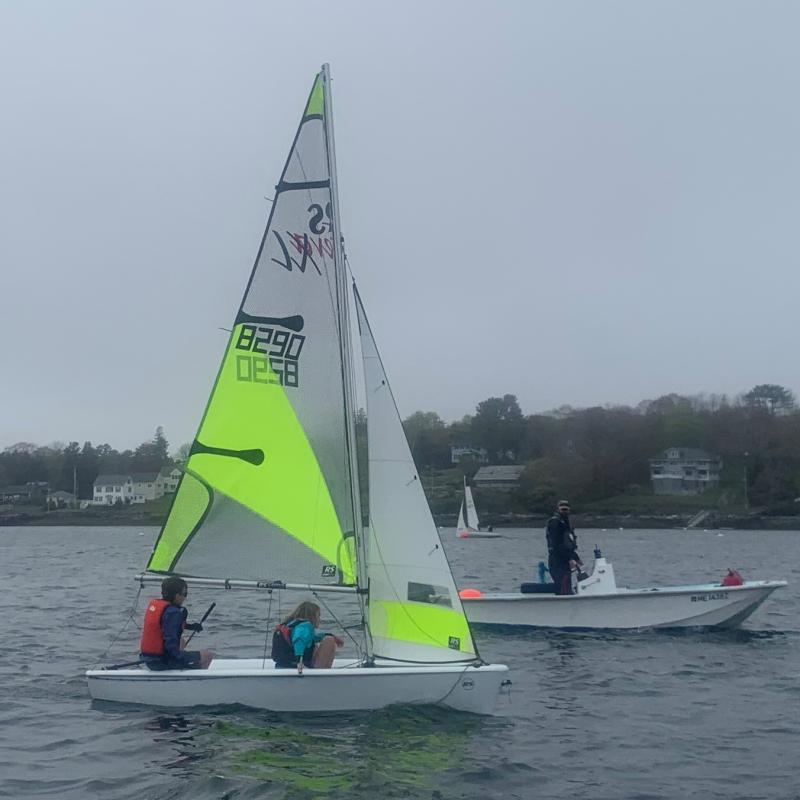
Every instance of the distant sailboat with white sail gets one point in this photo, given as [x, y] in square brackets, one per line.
[468, 526]
[270, 500]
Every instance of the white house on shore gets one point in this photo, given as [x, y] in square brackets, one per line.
[459, 453]
[138, 487]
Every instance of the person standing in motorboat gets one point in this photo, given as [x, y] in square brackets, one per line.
[562, 549]
[162, 646]
[297, 642]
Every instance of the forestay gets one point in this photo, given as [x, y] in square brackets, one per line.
[266, 490]
[415, 613]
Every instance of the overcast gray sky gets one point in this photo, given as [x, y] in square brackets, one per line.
[576, 202]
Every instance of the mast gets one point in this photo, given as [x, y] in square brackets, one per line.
[345, 344]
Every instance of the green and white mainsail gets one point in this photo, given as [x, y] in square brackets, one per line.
[415, 613]
[267, 491]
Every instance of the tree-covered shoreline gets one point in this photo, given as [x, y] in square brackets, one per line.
[598, 457]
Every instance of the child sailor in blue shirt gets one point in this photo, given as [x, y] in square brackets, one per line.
[297, 642]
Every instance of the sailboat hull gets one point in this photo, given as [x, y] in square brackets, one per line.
[470, 534]
[346, 687]
[707, 605]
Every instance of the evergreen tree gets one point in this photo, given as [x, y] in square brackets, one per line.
[771, 397]
[151, 456]
[88, 470]
[498, 426]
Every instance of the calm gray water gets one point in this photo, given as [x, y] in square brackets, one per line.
[637, 715]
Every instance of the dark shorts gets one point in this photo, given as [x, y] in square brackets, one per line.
[189, 660]
[308, 661]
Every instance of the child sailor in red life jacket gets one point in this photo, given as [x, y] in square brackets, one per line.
[164, 621]
[297, 643]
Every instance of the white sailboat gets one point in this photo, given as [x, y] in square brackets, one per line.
[269, 499]
[468, 526]
[599, 604]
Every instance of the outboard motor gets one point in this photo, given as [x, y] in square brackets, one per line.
[602, 580]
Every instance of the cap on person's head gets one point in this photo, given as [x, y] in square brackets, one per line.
[563, 504]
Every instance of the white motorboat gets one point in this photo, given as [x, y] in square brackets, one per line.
[269, 499]
[468, 526]
[600, 604]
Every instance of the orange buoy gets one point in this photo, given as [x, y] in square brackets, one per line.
[470, 593]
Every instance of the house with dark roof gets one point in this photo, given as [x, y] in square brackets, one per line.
[684, 470]
[146, 486]
[61, 499]
[502, 476]
[31, 492]
[110, 489]
[138, 487]
[169, 477]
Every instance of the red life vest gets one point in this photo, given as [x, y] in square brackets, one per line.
[152, 642]
[733, 578]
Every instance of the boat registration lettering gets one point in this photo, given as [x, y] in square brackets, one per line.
[701, 598]
[273, 355]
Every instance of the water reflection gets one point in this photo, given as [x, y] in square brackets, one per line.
[386, 753]
[177, 735]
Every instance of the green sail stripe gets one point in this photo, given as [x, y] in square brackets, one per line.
[190, 505]
[249, 412]
[316, 102]
[420, 623]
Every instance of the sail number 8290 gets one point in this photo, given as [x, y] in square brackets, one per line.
[273, 355]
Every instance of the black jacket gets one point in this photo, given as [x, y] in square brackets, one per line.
[562, 543]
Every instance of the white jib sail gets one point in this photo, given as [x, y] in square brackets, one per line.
[415, 613]
[461, 526]
[472, 514]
